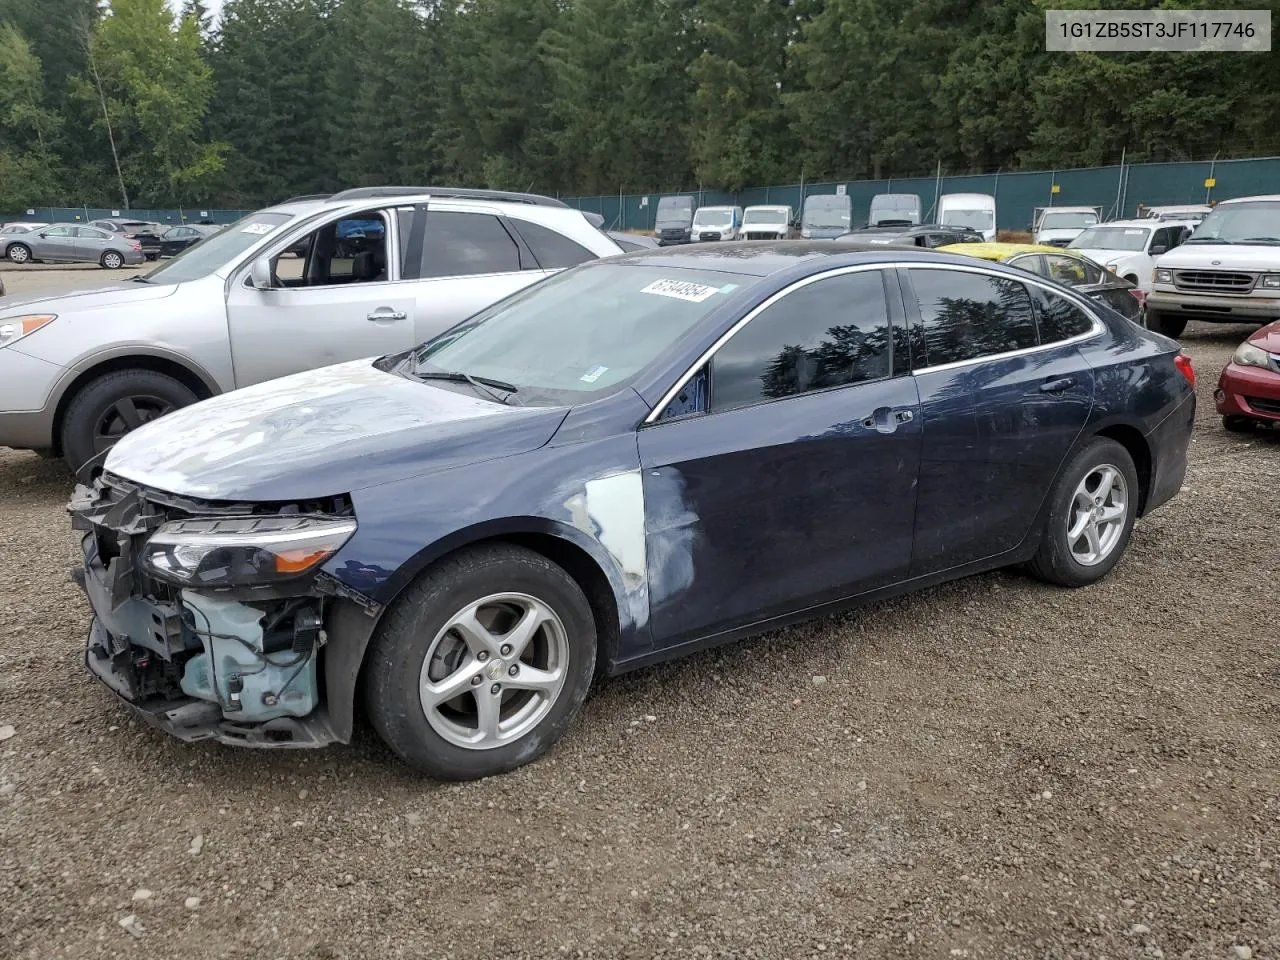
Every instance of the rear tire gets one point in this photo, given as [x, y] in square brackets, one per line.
[114, 404]
[417, 644]
[1237, 424]
[18, 253]
[1164, 324]
[112, 260]
[1078, 503]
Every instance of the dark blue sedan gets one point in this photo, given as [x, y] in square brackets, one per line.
[637, 458]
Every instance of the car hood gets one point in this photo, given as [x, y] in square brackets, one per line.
[1109, 258]
[123, 291]
[324, 432]
[1059, 233]
[1268, 338]
[1225, 256]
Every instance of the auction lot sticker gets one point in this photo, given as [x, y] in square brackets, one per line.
[1113, 31]
[681, 290]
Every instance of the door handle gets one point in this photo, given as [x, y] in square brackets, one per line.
[1058, 386]
[886, 421]
[385, 313]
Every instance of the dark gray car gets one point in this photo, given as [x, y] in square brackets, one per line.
[68, 243]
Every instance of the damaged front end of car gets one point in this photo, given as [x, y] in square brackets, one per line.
[210, 618]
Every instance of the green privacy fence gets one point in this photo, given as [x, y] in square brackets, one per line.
[1117, 189]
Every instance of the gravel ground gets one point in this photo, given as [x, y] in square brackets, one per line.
[989, 768]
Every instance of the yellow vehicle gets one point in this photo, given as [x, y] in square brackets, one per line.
[1065, 266]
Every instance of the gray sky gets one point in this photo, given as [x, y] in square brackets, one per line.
[215, 6]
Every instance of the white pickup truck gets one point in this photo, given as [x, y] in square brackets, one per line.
[1227, 271]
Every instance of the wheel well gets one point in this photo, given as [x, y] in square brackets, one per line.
[1132, 278]
[1136, 444]
[156, 364]
[587, 573]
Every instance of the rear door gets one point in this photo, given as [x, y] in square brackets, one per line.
[91, 243]
[461, 260]
[1004, 393]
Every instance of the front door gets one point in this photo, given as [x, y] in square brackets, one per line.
[1004, 393]
[54, 243]
[793, 480]
[322, 309]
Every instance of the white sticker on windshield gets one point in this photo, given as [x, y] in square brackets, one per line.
[258, 228]
[594, 374]
[1136, 232]
[681, 290]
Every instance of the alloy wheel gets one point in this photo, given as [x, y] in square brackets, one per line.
[494, 671]
[125, 415]
[1098, 513]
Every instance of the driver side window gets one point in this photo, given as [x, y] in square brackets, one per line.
[350, 250]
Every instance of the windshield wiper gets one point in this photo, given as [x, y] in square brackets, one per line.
[481, 384]
[1204, 240]
[1259, 240]
[139, 278]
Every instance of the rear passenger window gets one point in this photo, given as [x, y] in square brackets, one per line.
[461, 245]
[970, 315]
[552, 250]
[1060, 319]
[828, 333]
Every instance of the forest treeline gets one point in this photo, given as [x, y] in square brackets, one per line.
[133, 102]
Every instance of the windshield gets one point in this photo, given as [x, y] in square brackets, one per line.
[891, 207]
[977, 219]
[1112, 238]
[677, 209]
[765, 216]
[1256, 221]
[713, 218]
[201, 259]
[827, 212]
[584, 331]
[1065, 221]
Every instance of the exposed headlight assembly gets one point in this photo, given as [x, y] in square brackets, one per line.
[1250, 356]
[15, 328]
[239, 551]
[1163, 276]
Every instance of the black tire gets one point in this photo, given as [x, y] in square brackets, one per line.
[1054, 562]
[1164, 324]
[112, 260]
[102, 403]
[1237, 424]
[400, 647]
[18, 253]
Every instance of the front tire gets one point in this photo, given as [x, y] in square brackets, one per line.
[19, 253]
[1092, 509]
[112, 260]
[1162, 323]
[114, 404]
[482, 663]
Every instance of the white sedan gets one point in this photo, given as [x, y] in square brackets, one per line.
[1128, 248]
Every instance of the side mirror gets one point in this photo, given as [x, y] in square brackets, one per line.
[260, 273]
[1158, 249]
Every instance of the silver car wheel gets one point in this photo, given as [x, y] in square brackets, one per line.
[1098, 514]
[19, 254]
[494, 671]
[112, 260]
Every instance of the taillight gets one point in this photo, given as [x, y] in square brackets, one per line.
[134, 245]
[1183, 363]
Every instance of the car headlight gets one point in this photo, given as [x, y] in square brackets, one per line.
[243, 550]
[1250, 356]
[1162, 276]
[1271, 280]
[15, 328]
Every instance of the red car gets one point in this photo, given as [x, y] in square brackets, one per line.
[1249, 388]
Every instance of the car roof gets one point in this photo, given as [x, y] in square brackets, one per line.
[998, 251]
[760, 258]
[1267, 196]
[1146, 222]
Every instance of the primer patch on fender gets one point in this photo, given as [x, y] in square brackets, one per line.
[681, 290]
[611, 509]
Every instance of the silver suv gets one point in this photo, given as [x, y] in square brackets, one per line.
[310, 282]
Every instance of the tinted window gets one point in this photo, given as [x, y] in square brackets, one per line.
[1060, 319]
[1031, 261]
[552, 250]
[969, 315]
[461, 245]
[92, 234]
[827, 334]
[1066, 270]
[1121, 301]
